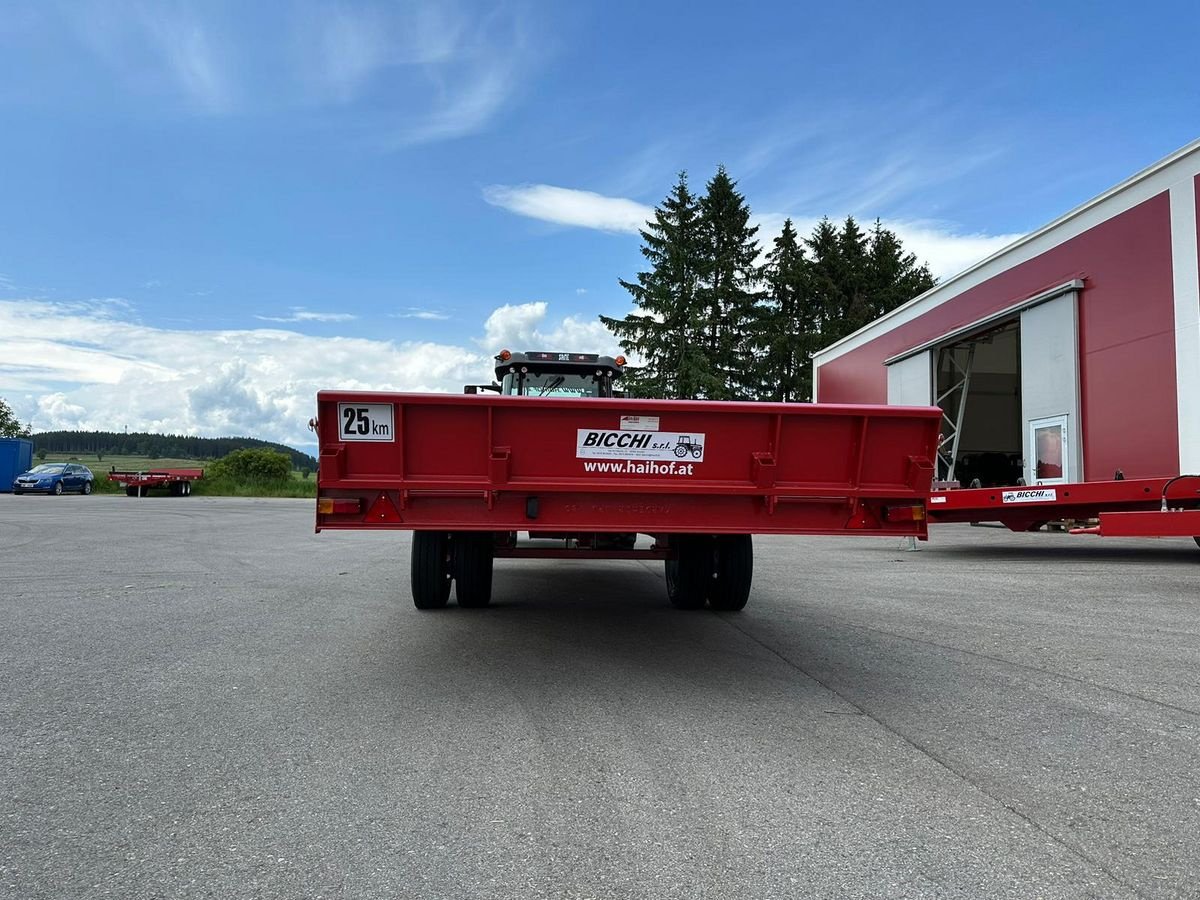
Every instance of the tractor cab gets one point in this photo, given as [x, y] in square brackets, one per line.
[545, 374]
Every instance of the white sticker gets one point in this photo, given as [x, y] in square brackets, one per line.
[366, 422]
[639, 423]
[599, 443]
[937, 499]
[1033, 495]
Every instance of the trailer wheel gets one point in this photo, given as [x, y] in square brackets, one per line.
[734, 569]
[471, 560]
[430, 569]
[1197, 540]
[689, 575]
[130, 491]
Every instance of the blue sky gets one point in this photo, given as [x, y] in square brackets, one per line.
[210, 210]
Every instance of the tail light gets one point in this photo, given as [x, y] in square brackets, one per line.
[908, 513]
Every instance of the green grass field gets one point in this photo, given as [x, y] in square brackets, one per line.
[298, 486]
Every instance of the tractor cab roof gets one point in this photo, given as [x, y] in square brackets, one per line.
[547, 361]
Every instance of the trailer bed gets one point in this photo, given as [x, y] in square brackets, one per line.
[502, 463]
[1027, 508]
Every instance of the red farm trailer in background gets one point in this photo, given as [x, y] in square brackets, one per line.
[1141, 507]
[178, 482]
[558, 456]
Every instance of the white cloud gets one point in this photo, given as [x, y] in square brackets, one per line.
[946, 249]
[428, 315]
[114, 372]
[567, 206]
[149, 45]
[300, 314]
[419, 72]
[444, 69]
[523, 327]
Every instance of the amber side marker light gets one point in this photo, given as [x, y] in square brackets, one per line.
[328, 506]
[914, 513]
[504, 356]
[620, 360]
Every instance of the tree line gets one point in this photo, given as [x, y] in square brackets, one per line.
[719, 320]
[180, 446]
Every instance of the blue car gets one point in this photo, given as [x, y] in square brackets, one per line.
[54, 478]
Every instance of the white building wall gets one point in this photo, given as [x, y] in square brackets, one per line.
[1187, 321]
[910, 381]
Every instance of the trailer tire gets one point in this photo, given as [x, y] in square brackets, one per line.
[1197, 540]
[430, 569]
[734, 569]
[130, 491]
[689, 574]
[471, 560]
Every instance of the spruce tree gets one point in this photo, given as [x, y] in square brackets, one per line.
[728, 293]
[665, 332]
[791, 330]
[893, 275]
[826, 275]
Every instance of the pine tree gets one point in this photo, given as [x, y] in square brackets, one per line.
[665, 333]
[826, 277]
[857, 276]
[893, 276]
[791, 331]
[856, 299]
[728, 294]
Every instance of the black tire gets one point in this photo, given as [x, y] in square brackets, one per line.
[1197, 540]
[696, 451]
[689, 574]
[471, 561]
[131, 491]
[58, 489]
[174, 489]
[87, 488]
[187, 489]
[734, 568]
[681, 451]
[430, 569]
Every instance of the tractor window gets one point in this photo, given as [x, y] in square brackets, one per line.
[553, 384]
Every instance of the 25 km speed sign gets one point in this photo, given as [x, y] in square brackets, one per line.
[366, 422]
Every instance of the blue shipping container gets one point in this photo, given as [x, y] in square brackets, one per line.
[16, 456]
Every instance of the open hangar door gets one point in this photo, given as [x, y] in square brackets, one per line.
[1009, 393]
[976, 380]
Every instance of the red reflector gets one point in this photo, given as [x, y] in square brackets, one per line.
[904, 513]
[383, 510]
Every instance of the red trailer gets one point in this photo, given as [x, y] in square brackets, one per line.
[178, 482]
[1141, 507]
[469, 473]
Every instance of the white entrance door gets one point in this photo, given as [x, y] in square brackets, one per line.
[1050, 391]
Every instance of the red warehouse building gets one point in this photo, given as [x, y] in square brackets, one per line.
[1064, 357]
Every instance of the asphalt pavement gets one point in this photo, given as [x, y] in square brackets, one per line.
[201, 698]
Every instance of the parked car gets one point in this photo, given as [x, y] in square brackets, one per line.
[54, 478]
